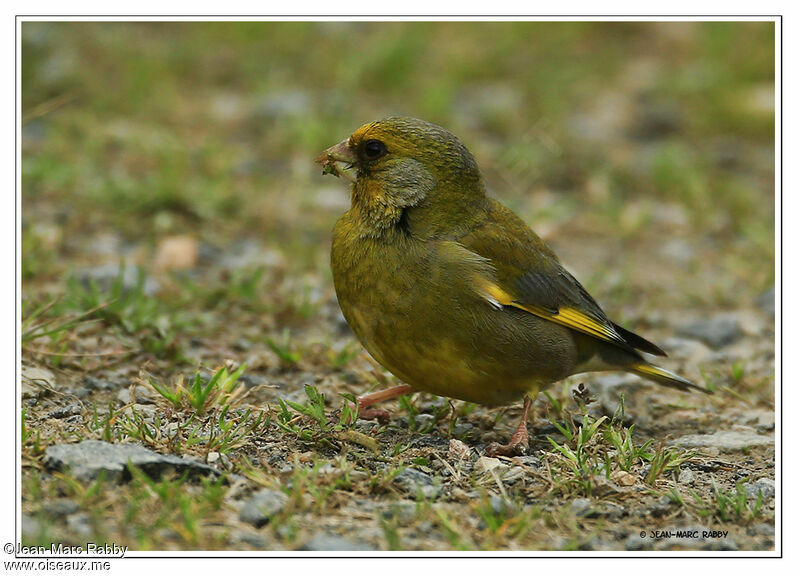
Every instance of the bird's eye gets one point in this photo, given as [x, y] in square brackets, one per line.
[374, 149]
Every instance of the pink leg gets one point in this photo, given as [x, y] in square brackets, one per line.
[518, 445]
[379, 414]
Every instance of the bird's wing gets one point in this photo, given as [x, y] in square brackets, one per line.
[528, 276]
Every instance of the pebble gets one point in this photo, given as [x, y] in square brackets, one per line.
[725, 440]
[718, 331]
[263, 505]
[333, 543]
[415, 483]
[101, 384]
[486, 464]
[89, 458]
[36, 381]
[690, 351]
[765, 485]
[581, 507]
[80, 524]
[513, 474]
[463, 429]
[65, 411]
[458, 449]
[531, 461]
[141, 395]
[686, 476]
[623, 478]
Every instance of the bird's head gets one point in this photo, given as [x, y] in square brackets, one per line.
[408, 173]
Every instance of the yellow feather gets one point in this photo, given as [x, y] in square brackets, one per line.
[569, 317]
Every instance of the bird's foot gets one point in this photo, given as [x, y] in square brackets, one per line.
[379, 414]
[517, 446]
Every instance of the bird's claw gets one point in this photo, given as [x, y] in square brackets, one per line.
[379, 414]
[496, 449]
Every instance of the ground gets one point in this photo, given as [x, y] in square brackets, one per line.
[177, 298]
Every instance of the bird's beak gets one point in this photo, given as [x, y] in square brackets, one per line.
[338, 160]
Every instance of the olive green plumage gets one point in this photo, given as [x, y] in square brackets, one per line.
[451, 291]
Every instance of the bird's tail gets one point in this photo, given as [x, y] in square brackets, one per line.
[665, 377]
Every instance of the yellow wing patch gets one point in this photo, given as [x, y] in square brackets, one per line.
[576, 319]
[569, 317]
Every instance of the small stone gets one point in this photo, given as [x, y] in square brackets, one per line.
[463, 429]
[719, 331]
[581, 507]
[764, 485]
[176, 253]
[623, 478]
[36, 381]
[333, 543]
[146, 413]
[725, 440]
[65, 411]
[100, 384]
[88, 459]
[425, 421]
[141, 395]
[415, 482]
[688, 350]
[459, 494]
[262, 506]
[458, 449]
[486, 464]
[531, 461]
[80, 524]
[605, 486]
[513, 474]
[686, 476]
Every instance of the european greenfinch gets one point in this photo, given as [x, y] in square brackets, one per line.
[451, 291]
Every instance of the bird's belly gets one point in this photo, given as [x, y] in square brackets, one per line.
[445, 342]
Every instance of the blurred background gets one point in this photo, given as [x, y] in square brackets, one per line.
[642, 152]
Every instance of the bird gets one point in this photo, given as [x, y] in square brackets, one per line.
[451, 291]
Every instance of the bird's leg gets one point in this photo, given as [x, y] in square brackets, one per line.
[518, 445]
[382, 416]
